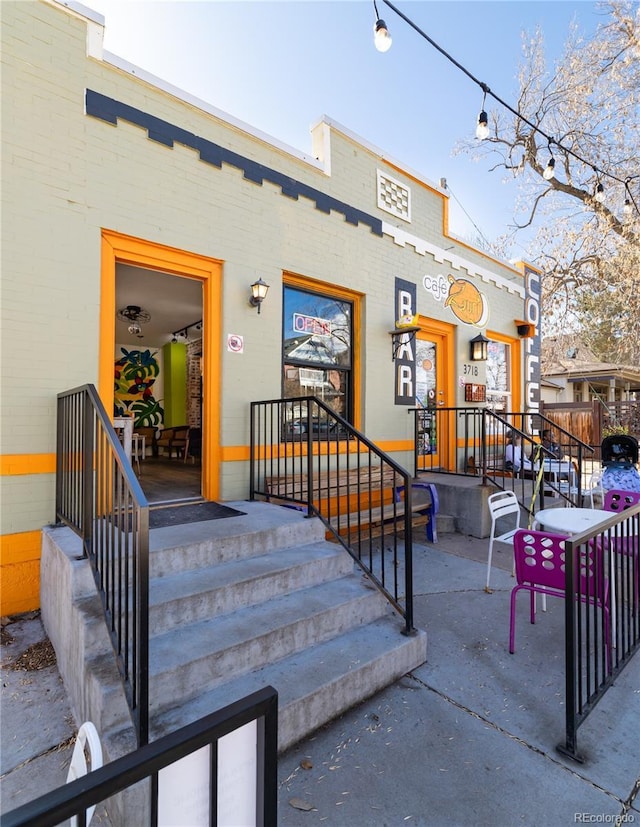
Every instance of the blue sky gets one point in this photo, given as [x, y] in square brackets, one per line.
[279, 66]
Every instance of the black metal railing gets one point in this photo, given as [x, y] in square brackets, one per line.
[472, 441]
[599, 645]
[100, 498]
[146, 764]
[305, 455]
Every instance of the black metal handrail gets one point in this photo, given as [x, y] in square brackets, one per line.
[146, 763]
[305, 455]
[598, 647]
[471, 441]
[99, 497]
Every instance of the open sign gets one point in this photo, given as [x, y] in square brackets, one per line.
[311, 325]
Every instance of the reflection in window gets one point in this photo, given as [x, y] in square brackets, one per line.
[498, 376]
[317, 335]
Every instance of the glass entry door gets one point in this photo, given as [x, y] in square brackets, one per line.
[433, 392]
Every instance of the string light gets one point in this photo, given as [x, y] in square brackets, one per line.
[482, 129]
[381, 37]
[549, 171]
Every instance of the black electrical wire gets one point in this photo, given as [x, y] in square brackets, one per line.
[487, 91]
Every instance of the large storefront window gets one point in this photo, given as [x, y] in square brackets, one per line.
[499, 377]
[317, 335]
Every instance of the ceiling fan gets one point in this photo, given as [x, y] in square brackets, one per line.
[134, 313]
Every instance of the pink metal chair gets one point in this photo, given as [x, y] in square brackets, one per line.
[540, 568]
[620, 500]
[617, 502]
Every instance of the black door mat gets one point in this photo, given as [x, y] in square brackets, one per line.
[182, 514]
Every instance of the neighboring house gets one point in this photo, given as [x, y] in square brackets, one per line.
[572, 373]
[137, 217]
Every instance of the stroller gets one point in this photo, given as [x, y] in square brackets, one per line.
[619, 454]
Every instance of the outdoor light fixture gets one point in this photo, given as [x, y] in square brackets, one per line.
[482, 128]
[381, 37]
[259, 290]
[627, 209]
[479, 348]
[599, 196]
[550, 169]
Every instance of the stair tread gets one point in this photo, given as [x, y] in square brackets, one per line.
[192, 582]
[324, 664]
[185, 644]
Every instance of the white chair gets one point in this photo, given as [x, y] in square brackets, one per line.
[502, 504]
[89, 740]
[594, 487]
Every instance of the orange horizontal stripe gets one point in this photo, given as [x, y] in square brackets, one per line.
[14, 464]
[18, 548]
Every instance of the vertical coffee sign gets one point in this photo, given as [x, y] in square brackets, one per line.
[532, 281]
[405, 355]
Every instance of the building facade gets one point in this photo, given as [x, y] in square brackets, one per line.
[121, 191]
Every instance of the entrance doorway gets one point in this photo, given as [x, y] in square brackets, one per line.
[434, 390]
[158, 352]
[157, 379]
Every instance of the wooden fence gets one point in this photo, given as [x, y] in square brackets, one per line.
[591, 421]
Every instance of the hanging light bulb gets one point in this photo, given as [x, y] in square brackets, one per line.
[599, 195]
[550, 169]
[381, 37]
[482, 129]
[627, 209]
[134, 329]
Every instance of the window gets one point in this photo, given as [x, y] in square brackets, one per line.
[317, 335]
[499, 376]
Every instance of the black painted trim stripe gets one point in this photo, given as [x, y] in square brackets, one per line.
[110, 110]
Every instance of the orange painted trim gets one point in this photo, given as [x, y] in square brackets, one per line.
[240, 453]
[118, 248]
[395, 446]
[20, 548]
[235, 453]
[18, 464]
[356, 298]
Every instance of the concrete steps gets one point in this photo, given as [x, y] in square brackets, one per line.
[235, 604]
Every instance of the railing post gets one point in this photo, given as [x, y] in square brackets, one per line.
[252, 457]
[569, 747]
[310, 493]
[143, 627]
[88, 475]
[483, 446]
[408, 559]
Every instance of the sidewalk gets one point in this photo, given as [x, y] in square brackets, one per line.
[466, 739]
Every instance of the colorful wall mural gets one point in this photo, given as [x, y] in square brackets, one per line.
[134, 376]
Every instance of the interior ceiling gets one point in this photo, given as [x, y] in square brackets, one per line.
[173, 302]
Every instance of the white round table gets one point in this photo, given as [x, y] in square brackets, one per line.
[570, 520]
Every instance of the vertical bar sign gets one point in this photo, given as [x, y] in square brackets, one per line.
[405, 357]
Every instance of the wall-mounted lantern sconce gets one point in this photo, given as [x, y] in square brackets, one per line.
[259, 290]
[526, 330]
[479, 348]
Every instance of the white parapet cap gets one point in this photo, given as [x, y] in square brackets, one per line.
[95, 37]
